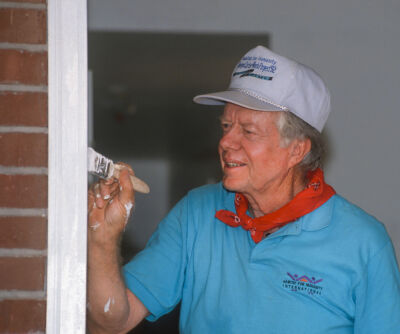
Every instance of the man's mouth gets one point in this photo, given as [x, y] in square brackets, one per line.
[231, 164]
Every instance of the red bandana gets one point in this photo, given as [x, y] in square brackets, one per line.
[312, 197]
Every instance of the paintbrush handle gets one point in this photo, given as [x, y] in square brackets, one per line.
[138, 184]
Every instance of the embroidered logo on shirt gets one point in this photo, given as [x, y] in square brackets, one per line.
[303, 283]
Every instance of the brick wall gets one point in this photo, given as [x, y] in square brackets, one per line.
[23, 165]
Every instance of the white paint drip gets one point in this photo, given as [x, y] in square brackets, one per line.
[98, 195]
[106, 197]
[110, 301]
[95, 226]
[107, 306]
[128, 208]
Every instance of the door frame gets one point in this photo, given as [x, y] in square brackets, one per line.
[67, 179]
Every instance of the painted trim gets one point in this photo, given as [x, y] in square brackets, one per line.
[67, 205]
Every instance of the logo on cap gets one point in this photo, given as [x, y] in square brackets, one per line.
[254, 63]
[249, 73]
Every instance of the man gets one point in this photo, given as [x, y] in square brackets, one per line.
[271, 249]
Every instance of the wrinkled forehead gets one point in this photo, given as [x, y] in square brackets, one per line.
[234, 112]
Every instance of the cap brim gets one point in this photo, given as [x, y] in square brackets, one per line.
[236, 97]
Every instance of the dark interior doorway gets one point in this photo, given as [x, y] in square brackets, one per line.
[143, 86]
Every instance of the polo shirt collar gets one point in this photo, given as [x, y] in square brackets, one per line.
[320, 217]
[229, 202]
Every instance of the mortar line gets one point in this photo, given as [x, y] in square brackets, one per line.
[22, 252]
[24, 129]
[40, 6]
[23, 88]
[22, 212]
[11, 170]
[21, 295]
[24, 46]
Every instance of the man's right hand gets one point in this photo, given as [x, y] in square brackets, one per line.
[110, 203]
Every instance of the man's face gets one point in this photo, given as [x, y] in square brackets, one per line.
[252, 157]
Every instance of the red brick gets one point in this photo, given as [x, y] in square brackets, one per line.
[23, 191]
[22, 273]
[24, 67]
[27, 109]
[23, 232]
[23, 149]
[19, 25]
[22, 316]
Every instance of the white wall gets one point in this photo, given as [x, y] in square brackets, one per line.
[353, 44]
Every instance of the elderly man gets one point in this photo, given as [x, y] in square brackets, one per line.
[270, 249]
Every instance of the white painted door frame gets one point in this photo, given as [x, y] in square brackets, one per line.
[67, 189]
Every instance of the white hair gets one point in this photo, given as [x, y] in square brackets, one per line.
[292, 127]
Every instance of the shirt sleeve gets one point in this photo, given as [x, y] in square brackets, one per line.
[378, 295]
[156, 274]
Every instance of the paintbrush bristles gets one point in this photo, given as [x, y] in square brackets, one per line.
[103, 167]
[99, 165]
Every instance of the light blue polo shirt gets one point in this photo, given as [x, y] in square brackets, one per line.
[331, 271]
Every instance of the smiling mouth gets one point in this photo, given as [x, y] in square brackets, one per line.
[233, 164]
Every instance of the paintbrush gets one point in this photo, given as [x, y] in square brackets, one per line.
[105, 168]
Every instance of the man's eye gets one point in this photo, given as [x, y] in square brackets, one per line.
[225, 126]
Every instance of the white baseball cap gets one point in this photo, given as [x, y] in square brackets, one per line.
[266, 81]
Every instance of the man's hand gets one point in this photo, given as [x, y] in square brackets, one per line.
[110, 203]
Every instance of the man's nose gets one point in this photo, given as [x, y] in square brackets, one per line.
[230, 139]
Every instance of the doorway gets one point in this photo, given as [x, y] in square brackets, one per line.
[143, 86]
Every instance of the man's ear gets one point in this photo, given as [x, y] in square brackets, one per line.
[299, 149]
